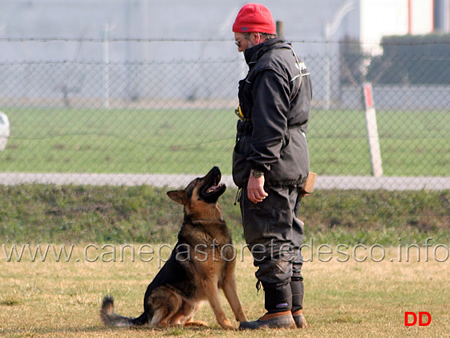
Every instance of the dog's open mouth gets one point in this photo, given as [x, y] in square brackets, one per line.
[212, 188]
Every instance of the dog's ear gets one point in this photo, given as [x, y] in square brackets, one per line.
[178, 196]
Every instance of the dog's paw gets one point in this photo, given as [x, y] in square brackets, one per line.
[227, 325]
[197, 323]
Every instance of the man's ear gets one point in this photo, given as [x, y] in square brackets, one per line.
[178, 196]
[257, 37]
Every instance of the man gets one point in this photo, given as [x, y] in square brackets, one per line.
[271, 163]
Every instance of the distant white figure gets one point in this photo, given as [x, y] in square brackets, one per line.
[4, 130]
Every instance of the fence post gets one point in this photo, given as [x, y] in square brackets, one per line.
[331, 27]
[372, 131]
[280, 28]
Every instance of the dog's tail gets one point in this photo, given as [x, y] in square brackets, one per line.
[110, 318]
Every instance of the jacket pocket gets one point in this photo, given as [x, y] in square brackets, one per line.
[293, 167]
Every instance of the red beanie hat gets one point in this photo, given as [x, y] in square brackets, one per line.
[254, 18]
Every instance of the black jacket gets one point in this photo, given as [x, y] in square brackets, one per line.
[274, 99]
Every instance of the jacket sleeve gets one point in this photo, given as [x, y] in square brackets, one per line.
[270, 119]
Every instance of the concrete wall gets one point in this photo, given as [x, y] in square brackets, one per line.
[151, 19]
[202, 64]
[398, 98]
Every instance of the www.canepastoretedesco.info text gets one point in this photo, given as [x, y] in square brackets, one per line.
[310, 252]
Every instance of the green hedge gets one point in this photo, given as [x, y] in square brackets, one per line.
[144, 214]
[412, 59]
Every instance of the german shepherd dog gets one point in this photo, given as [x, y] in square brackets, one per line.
[202, 262]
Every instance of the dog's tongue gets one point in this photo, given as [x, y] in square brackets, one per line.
[214, 188]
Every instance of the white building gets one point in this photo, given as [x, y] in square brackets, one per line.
[398, 17]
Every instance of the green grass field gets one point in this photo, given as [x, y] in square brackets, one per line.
[191, 141]
[342, 299]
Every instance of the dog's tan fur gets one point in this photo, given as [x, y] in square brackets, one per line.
[202, 262]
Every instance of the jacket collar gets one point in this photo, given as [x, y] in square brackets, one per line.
[253, 54]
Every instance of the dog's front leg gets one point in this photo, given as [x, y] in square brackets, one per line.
[230, 290]
[212, 293]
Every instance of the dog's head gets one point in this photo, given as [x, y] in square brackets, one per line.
[200, 196]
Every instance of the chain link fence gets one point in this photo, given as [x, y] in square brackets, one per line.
[139, 121]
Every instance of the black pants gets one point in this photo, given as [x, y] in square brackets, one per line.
[274, 235]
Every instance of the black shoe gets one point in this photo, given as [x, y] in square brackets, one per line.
[300, 320]
[279, 320]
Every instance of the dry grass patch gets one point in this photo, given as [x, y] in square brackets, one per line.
[342, 298]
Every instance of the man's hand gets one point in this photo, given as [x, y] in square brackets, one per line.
[255, 189]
